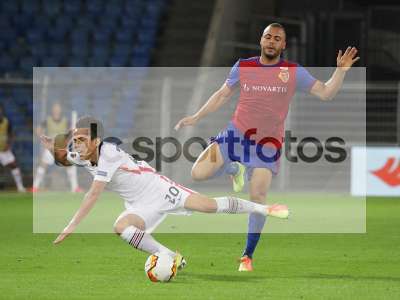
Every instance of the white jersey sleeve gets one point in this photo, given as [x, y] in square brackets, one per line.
[110, 159]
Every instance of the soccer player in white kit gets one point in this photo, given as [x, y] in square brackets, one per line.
[149, 197]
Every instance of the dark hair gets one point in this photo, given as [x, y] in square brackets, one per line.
[95, 126]
[277, 25]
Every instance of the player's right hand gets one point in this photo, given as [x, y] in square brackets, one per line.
[66, 232]
[186, 121]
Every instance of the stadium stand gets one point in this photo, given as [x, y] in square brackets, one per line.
[85, 33]
[71, 33]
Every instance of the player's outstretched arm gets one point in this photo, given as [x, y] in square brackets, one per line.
[213, 103]
[329, 89]
[88, 202]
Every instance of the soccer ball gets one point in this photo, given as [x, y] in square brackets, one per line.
[160, 267]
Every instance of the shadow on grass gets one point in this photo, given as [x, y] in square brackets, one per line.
[344, 277]
[240, 277]
[188, 277]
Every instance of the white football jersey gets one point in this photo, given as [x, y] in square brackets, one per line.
[130, 178]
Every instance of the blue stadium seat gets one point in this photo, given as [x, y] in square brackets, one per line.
[100, 50]
[3, 46]
[75, 61]
[5, 21]
[113, 9]
[50, 61]
[17, 50]
[79, 50]
[9, 7]
[117, 61]
[141, 50]
[98, 61]
[129, 22]
[80, 103]
[56, 34]
[64, 21]
[55, 93]
[35, 35]
[102, 36]
[101, 110]
[94, 6]
[133, 8]
[130, 89]
[16, 118]
[79, 91]
[102, 92]
[31, 7]
[154, 9]
[29, 107]
[11, 108]
[42, 23]
[21, 96]
[86, 23]
[58, 50]
[146, 38]
[39, 50]
[51, 7]
[22, 22]
[9, 35]
[122, 50]
[124, 36]
[7, 63]
[108, 22]
[79, 36]
[72, 7]
[140, 61]
[26, 64]
[147, 22]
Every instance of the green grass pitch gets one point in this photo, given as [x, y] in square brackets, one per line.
[287, 266]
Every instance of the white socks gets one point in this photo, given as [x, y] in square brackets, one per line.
[16, 173]
[73, 178]
[143, 241]
[232, 205]
[39, 177]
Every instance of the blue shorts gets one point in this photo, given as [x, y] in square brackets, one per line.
[235, 146]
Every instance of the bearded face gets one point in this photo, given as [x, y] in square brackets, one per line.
[273, 42]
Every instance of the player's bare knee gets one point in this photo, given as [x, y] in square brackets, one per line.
[125, 221]
[119, 227]
[258, 196]
[197, 175]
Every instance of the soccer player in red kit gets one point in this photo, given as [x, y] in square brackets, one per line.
[251, 143]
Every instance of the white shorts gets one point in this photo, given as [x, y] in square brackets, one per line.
[6, 157]
[168, 198]
[47, 158]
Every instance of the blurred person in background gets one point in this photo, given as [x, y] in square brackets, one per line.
[54, 124]
[7, 158]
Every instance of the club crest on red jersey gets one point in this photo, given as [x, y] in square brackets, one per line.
[284, 74]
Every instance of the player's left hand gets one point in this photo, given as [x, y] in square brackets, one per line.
[345, 61]
[66, 232]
